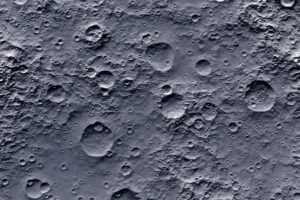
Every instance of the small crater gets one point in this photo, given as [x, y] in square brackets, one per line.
[44, 187]
[94, 33]
[296, 196]
[4, 182]
[56, 93]
[125, 169]
[166, 89]
[135, 151]
[20, 2]
[287, 3]
[125, 194]
[91, 73]
[172, 106]
[146, 38]
[105, 79]
[296, 113]
[209, 111]
[96, 140]
[198, 124]
[203, 67]
[195, 17]
[292, 98]
[22, 162]
[233, 127]
[294, 76]
[35, 188]
[260, 96]
[161, 56]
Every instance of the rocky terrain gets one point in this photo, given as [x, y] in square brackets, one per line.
[149, 100]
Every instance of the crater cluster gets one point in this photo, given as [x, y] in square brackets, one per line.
[149, 100]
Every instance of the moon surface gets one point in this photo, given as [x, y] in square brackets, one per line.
[149, 100]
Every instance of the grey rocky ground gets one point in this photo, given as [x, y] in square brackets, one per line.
[149, 99]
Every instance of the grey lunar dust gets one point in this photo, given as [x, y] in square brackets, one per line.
[149, 100]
